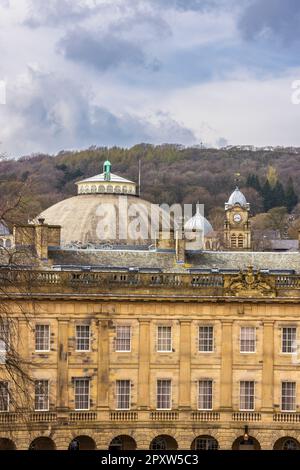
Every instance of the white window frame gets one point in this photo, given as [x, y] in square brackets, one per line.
[77, 379]
[253, 328]
[212, 394]
[282, 339]
[49, 335]
[157, 339]
[8, 401]
[48, 390]
[240, 396]
[117, 349]
[118, 395]
[170, 395]
[78, 338]
[213, 339]
[295, 397]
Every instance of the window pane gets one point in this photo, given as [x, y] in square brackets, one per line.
[288, 396]
[123, 338]
[247, 395]
[164, 338]
[82, 392]
[159, 443]
[206, 338]
[205, 395]
[247, 339]
[164, 394]
[206, 443]
[4, 396]
[123, 394]
[289, 335]
[41, 395]
[42, 337]
[82, 337]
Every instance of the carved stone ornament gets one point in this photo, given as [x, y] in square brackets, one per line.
[249, 284]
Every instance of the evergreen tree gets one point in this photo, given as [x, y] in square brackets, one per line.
[253, 182]
[257, 185]
[267, 196]
[278, 195]
[291, 198]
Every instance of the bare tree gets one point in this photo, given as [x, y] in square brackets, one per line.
[15, 281]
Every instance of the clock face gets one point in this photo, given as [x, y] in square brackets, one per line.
[237, 217]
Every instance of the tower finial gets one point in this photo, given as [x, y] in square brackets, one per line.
[107, 170]
[237, 179]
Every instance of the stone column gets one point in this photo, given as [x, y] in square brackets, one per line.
[226, 366]
[185, 365]
[144, 365]
[62, 366]
[23, 343]
[23, 347]
[268, 367]
[103, 365]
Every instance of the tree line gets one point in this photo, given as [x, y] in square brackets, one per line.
[169, 174]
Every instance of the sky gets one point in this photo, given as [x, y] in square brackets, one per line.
[79, 73]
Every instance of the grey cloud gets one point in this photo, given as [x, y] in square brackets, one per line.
[271, 19]
[151, 24]
[56, 12]
[196, 5]
[102, 51]
[53, 114]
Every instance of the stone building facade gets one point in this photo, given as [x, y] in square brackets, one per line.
[187, 306]
[161, 348]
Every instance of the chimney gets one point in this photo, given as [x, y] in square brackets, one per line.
[180, 247]
[165, 240]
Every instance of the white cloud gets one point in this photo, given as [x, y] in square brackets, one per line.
[252, 111]
[144, 70]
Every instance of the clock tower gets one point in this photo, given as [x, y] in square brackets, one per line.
[237, 233]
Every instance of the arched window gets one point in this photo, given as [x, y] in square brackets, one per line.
[122, 442]
[233, 240]
[290, 444]
[159, 444]
[205, 443]
[164, 442]
[240, 241]
[286, 443]
[82, 443]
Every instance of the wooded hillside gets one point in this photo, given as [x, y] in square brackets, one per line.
[170, 174]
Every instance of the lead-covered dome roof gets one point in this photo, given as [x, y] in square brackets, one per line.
[237, 197]
[198, 223]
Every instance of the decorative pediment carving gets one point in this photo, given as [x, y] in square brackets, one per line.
[249, 284]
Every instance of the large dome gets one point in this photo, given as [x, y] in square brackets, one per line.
[97, 219]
